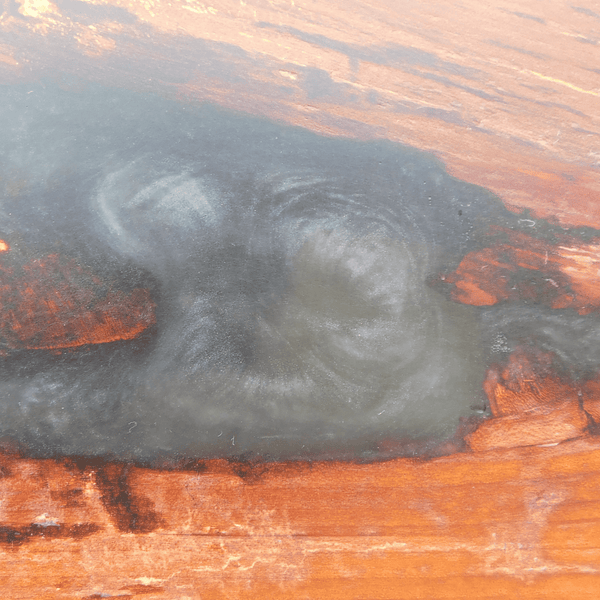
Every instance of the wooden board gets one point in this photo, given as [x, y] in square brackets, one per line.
[499, 524]
[507, 96]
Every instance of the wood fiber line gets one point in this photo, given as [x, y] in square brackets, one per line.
[521, 521]
[507, 96]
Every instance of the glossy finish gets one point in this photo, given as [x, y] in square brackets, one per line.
[507, 96]
[500, 524]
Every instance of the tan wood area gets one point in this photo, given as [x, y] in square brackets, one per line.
[507, 95]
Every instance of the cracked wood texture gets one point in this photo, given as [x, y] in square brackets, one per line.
[506, 95]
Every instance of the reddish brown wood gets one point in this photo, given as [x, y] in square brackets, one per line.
[517, 267]
[507, 96]
[499, 524]
[75, 307]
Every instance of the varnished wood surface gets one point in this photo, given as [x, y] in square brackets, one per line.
[502, 524]
[507, 96]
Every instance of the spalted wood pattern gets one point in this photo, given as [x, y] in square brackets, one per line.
[507, 96]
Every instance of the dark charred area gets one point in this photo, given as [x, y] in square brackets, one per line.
[14, 537]
[131, 591]
[249, 469]
[5, 471]
[53, 302]
[69, 498]
[130, 512]
[188, 276]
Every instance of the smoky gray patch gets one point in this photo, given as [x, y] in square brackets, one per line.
[586, 131]
[571, 338]
[373, 97]
[562, 107]
[393, 54]
[515, 49]
[448, 116]
[396, 54]
[530, 17]
[586, 11]
[525, 142]
[319, 86]
[290, 274]
[447, 81]
[91, 13]
[181, 56]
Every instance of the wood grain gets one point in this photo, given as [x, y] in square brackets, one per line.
[523, 522]
[507, 96]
